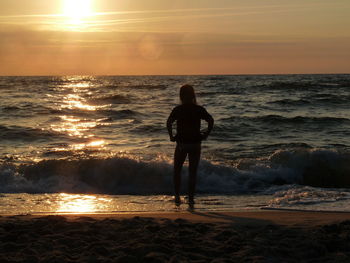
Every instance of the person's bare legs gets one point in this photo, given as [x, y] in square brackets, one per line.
[179, 159]
[193, 159]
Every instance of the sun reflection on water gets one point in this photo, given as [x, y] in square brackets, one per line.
[74, 126]
[73, 101]
[77, 119]
[79, 203]
[92, 144]
[86, 84]
[85, 203]
[97, 143]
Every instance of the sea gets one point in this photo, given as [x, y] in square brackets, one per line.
[99, 144]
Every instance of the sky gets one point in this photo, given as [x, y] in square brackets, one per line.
[182, 37]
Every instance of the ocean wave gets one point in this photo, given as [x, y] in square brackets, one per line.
[25, 110]
[277, 119]
[302, 119]
[119, 114]
[306, 196]
[19, 133]
[107, 114]
[301, 85]
[326, 98]
[148, 87]
[11, 108]
[5, 86]
[288, 85]
[148, 128]
[123, 175]
[213, 93]
[216, 78]
[296, 102]
[113, 99]
[26, 83]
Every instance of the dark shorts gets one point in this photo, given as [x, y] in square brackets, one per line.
[188, 147]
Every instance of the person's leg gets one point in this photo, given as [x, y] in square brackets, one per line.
[179, 159]
[193, 158]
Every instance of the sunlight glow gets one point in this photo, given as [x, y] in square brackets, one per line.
[76, 10]
[73, 126]
[96, 143]
[92, 144]
[73, 102]
[77, 203]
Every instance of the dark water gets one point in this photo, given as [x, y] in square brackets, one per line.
[286, 135]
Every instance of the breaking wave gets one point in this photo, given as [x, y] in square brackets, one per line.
[122, 175]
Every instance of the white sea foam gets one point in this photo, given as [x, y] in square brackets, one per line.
[123, 175]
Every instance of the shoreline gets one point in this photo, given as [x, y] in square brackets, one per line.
[273, 216]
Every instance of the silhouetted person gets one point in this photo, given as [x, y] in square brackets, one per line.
[188, 138]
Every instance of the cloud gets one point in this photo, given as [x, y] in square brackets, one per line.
[108, 21]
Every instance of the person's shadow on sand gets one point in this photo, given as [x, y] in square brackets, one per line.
[233, 219]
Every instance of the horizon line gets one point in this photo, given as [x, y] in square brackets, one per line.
[199, 74]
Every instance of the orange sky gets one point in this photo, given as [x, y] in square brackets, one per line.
[108, 37]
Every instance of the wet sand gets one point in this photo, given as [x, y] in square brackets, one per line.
[263, 236]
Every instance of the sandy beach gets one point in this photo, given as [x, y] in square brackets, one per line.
[263, 236]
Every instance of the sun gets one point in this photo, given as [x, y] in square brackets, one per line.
[76, 10]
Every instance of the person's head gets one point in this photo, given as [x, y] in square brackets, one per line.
[187, 95]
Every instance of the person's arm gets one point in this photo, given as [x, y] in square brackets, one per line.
[210, 121]
[169, 125]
